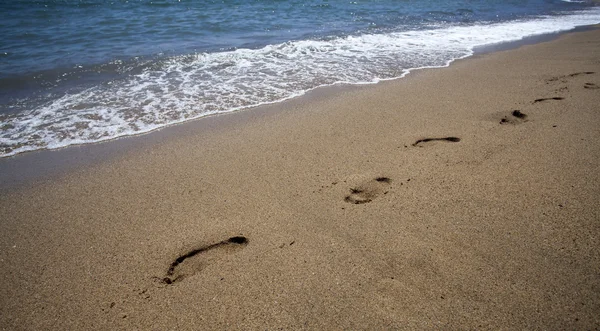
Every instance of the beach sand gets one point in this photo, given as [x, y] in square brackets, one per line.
[338, 219]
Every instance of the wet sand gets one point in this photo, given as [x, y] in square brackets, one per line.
[456, 198]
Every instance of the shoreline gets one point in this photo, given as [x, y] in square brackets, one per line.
[419, 203]
[28, 167]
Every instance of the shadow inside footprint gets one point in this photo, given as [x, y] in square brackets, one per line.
[518, 114]
[591, 86]
[546, 99]
[193, 261]
[367, 191]
[450, 139]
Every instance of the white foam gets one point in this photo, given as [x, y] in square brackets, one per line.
[187, 87]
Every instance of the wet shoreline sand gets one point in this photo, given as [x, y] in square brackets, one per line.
[425, 202]
[35, 166]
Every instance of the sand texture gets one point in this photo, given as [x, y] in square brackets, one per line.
[459, 198]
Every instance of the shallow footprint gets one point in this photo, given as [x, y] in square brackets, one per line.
[449, 139]
[367, 191]
[591, 86]
[195, 260]
[515, 117]
[582, 73]
[563, 78]
[546, 99]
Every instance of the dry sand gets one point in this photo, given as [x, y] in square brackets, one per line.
[339, 220]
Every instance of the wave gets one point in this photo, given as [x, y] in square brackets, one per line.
[182, 88]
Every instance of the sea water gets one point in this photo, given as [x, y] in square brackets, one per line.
[83, 71]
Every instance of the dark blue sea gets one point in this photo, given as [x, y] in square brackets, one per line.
[82, 71]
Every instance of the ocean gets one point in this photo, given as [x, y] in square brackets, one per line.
[84, 71]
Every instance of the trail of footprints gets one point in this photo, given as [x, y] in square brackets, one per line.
[516, 116]
[565, 79]
[197, 259]
[369, 190]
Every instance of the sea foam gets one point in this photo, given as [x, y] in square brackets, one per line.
[180, 88]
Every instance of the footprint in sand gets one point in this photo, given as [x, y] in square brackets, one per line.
[515, 117]
[563, 79]
[368, 190]
[547, 99]
[195, 260]
[591, 86]
[581, 73]
[426, 140]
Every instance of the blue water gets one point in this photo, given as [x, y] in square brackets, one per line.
[81, 71]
